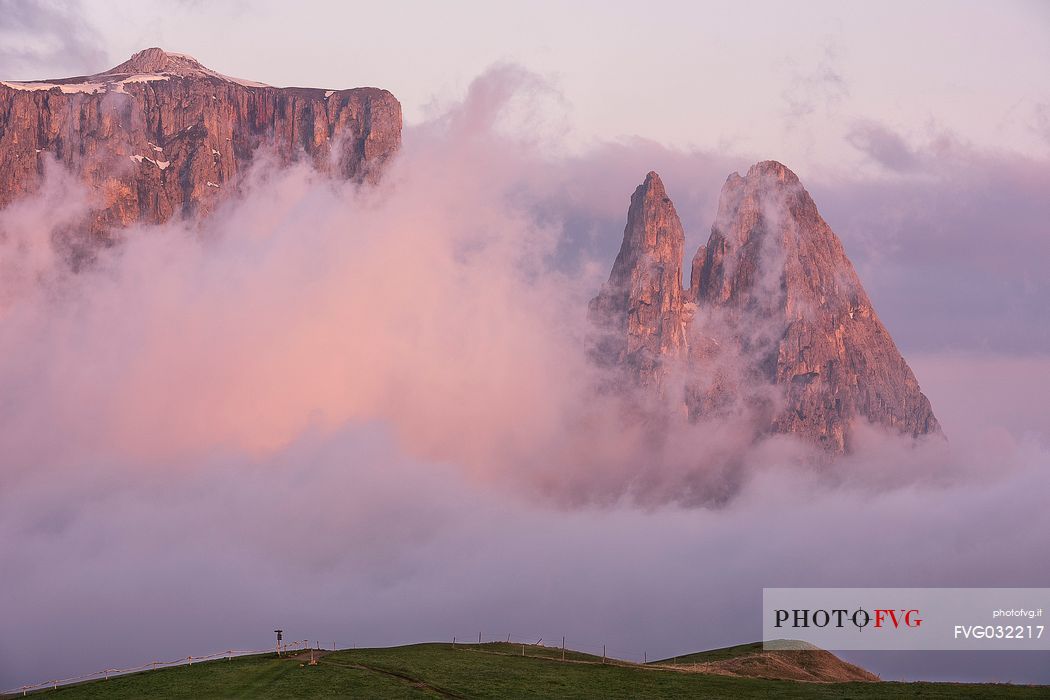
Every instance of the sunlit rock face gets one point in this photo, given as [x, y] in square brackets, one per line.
[161, 136]
[775, 328]
[639, 312]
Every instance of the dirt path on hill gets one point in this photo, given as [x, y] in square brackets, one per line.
[411, 680]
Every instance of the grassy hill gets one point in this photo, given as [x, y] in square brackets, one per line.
[713, 654]
[494, 670]
[753, 661]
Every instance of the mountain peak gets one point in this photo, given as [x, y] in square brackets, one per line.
[639, 310]
[772, 262]
[772, 168]
[157, 61]
[779, 332]
[653, 182]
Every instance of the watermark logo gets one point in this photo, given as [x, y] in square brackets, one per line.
[916, 618]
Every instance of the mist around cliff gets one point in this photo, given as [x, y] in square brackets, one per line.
[368, 416]
[448, 304]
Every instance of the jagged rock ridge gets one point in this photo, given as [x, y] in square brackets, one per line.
[639, 311]
[160, 135]
[773, 302]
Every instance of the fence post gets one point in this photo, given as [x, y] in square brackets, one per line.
[523, 648]
[603, 653]
[479, 637]
[563, 648]
[453, 641]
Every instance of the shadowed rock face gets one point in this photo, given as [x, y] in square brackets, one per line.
[160, 135]
[775, 303]
[639, 311]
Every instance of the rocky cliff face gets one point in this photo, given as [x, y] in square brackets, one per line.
[639, 311]
[778, 324]
[160, 135]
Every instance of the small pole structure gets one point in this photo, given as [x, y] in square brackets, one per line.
[563, 648]
[453, 641]
[280, 636]
[523, 648]
[603, 653]
[645, 657]
[479, 637]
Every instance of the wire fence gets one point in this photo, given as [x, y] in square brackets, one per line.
[154, 666]
[573, 646]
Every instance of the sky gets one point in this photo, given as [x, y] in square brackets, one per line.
[325, 393]
[787, 81]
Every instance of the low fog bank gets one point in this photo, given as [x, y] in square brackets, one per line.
[343, 538]
[367, 416]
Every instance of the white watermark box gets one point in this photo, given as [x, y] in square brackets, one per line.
[944, 619]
